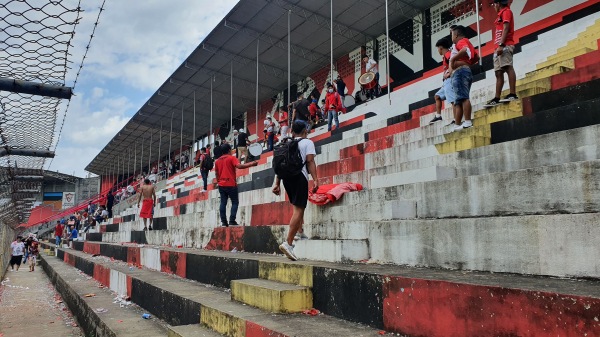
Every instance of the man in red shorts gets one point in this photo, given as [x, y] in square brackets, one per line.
[147, 196]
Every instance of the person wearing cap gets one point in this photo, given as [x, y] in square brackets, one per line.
[225, 171]
[17, 248]
[242, 145]
[297, 188]
[58, 231]
[504, 41]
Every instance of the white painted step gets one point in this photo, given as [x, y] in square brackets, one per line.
[433, 173]
[332, 250]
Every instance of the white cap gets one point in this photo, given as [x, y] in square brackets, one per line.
[235, 131]
[241, 130]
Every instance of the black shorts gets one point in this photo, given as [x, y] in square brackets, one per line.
[297, 190]
[16, 260]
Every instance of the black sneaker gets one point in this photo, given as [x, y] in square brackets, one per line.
[509, 98]
[492, 103]
[436, 119]
[233, 223]
[224, 224]
[150, 228]
[145, 229]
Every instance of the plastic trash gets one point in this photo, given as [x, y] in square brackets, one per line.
[146, 316]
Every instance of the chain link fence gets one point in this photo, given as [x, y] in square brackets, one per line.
[35, 37]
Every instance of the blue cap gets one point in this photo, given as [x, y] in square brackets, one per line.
[62, 221]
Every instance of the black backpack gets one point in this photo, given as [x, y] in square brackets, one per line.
[287, 161]
[208, 163]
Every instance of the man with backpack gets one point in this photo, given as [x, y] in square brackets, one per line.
[292, 162]
[225, 168]
[463, 55]
[206, 164]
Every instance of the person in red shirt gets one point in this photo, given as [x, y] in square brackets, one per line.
[503, 55]
[333, 103]
[225, 168]
[58, 232]
[283, 122]
[461, 58]
[313, 108]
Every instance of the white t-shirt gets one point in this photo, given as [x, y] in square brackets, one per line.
[306, 147]
[17, 248]
[372, 66]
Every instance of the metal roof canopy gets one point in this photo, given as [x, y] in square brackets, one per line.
[233, 43]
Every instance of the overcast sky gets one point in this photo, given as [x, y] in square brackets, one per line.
[137, 45]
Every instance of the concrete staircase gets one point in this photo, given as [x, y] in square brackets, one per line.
[350, 297]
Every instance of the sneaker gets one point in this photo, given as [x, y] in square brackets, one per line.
[467, 124]
[492, 103]
[150, 228]
[288, 250]
[436, 119]
[300, 236]
[224, 224]
[203, 191]
[451, 123]
[509, 98]
[233, 223]
[457, 128]
[145, 229]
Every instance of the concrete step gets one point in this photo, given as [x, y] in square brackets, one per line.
[116, 321]
[340, 250]
[376, 211]
[409, 177]
[390, 298]
[463, 144]
[191, 330]
[180, 302]
[564, 59]
[272, 296]
[554, 244]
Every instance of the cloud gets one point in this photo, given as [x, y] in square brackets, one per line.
[143, 45]
[134, 50]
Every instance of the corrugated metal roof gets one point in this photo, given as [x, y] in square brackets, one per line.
[233, 43]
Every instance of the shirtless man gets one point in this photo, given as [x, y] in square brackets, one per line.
[148, 197]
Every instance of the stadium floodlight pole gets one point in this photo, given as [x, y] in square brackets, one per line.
[289, 60]
[210, 134]
[331, 42]
[181, 140]
[256, 112]
[142, 157]
[150, 153]
[134, 158]
[128, 160]
[170, 138]
[387, 52]
[159, 145]
[190, 160]
[478, 29]
[231, 94]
